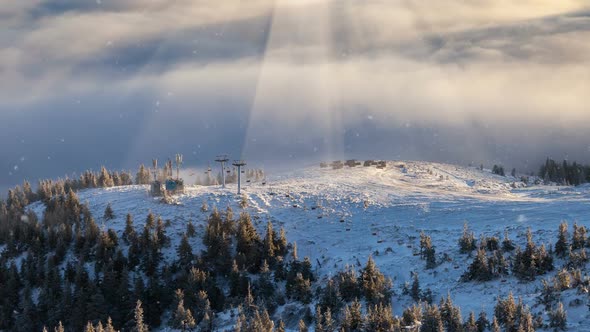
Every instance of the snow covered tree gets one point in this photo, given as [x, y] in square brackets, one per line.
[353, 319]
[479, 269]
[299, 289]
[451, 314]
[140, 326]
[558, 318]
[104, 179]
[379, 318]
[579, 237]
[190, 229]
[495, 327]
[431, 319]
[482, 322]
[427, 251]
[108, 212]
[375, 286]
[248, 243]
[507, 244]
[467, 241]
[269, 243]
[143, 175]
[415, 289]
[347, 284]
[505, 311]
[182, 318]
[471, 323]
[185, 253]
[302, 326]
[562, 245]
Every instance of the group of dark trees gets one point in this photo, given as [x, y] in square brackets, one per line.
[494, 259]
[564, 173]
[498, 170]
[64, 272]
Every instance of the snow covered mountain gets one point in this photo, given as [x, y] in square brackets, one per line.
[340, 217]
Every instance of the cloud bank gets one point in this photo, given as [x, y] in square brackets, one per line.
[115, 82]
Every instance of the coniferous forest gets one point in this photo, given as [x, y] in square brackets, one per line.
[63, 272]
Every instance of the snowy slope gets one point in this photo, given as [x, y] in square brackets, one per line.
[340, 217]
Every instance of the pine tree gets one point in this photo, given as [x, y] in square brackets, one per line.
[104, 179]
[479, 269]
[353, 319]
[558, 318]
[348, 285]
[248, 243]
[281, 243]
[562, 246]
[217, 243]
[451, 315]
[507, 244]
[431, 319]
[302, 326]
[505, 311]
[185, 253]
[526, 322]
[182, 318]
[467, 241]
[129, 232]
[140, 326]
[269, 246]
[482, 322]
[379, 318]
[190, 229]
[329, 322]
[579, 237]
[495, 325]
[415, 289]
[299, 289]
[89, 327]
[109, 327]
[330, 297]
[427, 251]
[318, 320]
[143, 175]
[471, 324]
[411, 317]
[108, 213]
[376, 288]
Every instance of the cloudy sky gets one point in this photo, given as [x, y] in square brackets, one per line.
[116, 82]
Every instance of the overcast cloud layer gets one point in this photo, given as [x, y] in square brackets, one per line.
[115, 82]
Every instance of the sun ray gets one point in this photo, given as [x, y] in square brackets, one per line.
[296, 66]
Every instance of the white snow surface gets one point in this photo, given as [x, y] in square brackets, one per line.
[340, 217]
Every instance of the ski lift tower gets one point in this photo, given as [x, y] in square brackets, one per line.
[239, 164]
[222, 159]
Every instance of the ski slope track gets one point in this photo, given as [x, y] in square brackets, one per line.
[340, 217]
